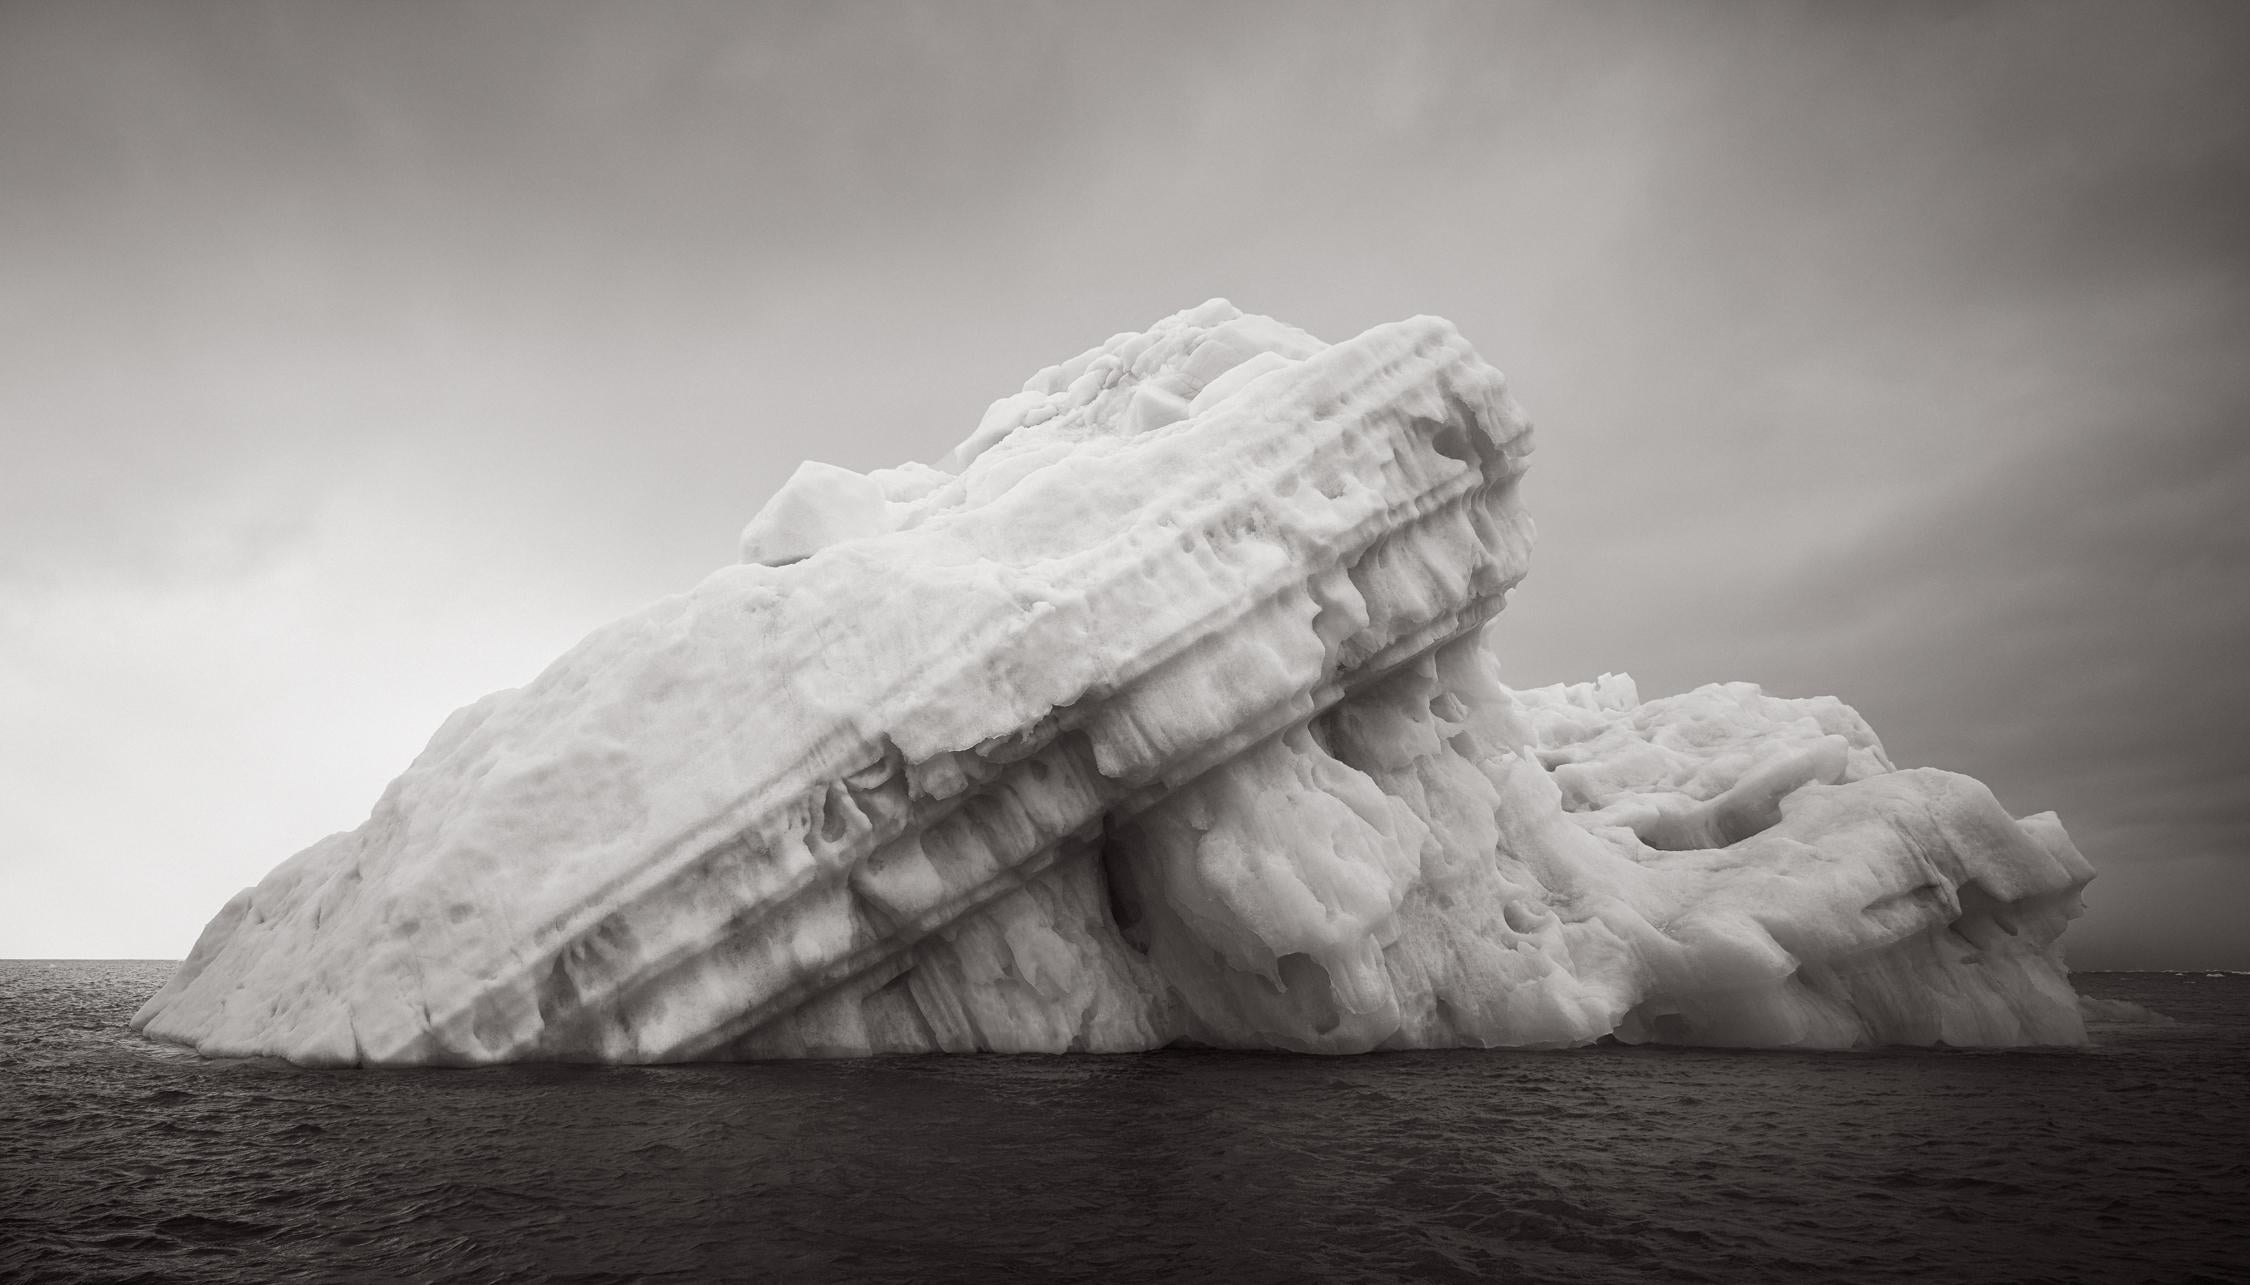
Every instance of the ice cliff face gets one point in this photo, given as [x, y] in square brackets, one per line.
[1158, 710]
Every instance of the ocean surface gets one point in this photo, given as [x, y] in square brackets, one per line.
[123, 1160]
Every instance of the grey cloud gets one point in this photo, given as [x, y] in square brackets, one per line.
[1884, 350]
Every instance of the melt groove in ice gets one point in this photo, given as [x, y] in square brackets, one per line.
[1162, 709]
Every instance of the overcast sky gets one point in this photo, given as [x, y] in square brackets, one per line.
[356, 359]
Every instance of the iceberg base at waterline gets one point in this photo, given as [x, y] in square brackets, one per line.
[1164, 709]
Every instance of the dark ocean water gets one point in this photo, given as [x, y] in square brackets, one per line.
[126, 1160]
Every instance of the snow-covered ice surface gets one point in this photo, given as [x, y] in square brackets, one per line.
[1162, 709]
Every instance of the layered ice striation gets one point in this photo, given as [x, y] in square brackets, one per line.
[1160, 710]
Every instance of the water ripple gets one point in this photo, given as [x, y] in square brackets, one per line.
[122, 1160]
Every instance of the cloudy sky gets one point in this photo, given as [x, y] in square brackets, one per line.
[356, 359]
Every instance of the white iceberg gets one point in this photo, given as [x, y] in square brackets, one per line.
[1161, 710]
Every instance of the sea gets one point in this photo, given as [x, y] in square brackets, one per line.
[2129, 1160]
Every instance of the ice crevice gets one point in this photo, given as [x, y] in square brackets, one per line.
[1165, 708]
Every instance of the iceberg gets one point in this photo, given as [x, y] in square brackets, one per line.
[1163, 709]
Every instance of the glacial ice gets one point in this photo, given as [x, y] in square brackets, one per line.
[1162, 709]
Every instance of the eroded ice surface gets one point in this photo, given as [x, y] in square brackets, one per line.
[1160, 709]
